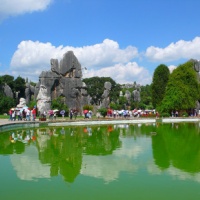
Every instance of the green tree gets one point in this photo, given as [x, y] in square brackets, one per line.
[103, 111]
[95, 88]
[6, 103]
[19, 86]
[9, 80]
[182, 91]
[59, 104]
[88, 107]
[160, 79]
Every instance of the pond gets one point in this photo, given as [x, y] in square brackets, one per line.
[139, 161]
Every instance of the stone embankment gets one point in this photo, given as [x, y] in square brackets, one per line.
[5, 124]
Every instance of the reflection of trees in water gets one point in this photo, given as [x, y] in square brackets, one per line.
[62, 153]
[103, 141]
[6, 147]
[63, 148]
[178, 144]
[15, 141]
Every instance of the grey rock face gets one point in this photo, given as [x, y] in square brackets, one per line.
[43, 100]
[105, 95]
[121, 94]
[196, 65]
[29, 91]
[7, 91]
[64, 80]
[22, 103]
[136, 95]
[197, 68]
[128, 96]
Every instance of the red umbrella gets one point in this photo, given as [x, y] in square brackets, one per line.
[85, 111]
[50, 112]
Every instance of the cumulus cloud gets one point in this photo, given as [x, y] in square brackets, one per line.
[18, 7]
[123, 73]
[175, 51]
[103, 59]
[171, 68]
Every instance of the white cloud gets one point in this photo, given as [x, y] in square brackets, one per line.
[103, 59]
[171, 68]
[18, 7]
[175, 51]
[123, 73]
[30, 159]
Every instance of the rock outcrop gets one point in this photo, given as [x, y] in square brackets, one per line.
[65, 80]
[22, 103]
[7, 91]
[29, 91]
[105, 95]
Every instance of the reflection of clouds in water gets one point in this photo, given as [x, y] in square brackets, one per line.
[177, 173]
[133, 149]
[42, 140]
[174, 172]
[105, 167]
[123, 160]
[28, 166]
[153, 169]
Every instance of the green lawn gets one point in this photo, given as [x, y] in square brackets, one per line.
[4, 116]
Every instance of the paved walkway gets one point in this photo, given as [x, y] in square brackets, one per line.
[67, 121]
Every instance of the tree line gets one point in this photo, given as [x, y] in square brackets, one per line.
[168, 92]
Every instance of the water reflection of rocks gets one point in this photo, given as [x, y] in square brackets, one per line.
[70, 151]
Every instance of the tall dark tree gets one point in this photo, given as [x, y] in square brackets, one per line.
[19, 86]
[160, 79]
[146, 97]
[6, 103]
[8, 80]
[182, 90]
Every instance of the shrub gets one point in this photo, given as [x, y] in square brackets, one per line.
[88, 107]
[185, 114]
[103, 111]
[164, 115]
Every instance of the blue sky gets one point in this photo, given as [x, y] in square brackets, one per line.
[122, 39]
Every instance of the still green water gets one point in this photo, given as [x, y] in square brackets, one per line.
[140, 161]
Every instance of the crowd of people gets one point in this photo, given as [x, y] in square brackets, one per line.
[129, 113]
[25, 114]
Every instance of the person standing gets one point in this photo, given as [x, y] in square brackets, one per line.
[34, 114]
[28, 112]
[14, 115]
[10, 115]
[71, 114]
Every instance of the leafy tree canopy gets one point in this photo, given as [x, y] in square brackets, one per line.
[6, 103]
[182, 90]
[19, 86]
[59, 104]
[95, 88]
[160, 79]
[8, 80]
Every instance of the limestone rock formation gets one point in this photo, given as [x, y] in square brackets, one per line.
[63, 80]
[7, 91]
[43, 100]
[29, 91]
[197, 68]
[105, 95]
[121, 94]
[136, 95]
[128, 96]
[22, 103]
